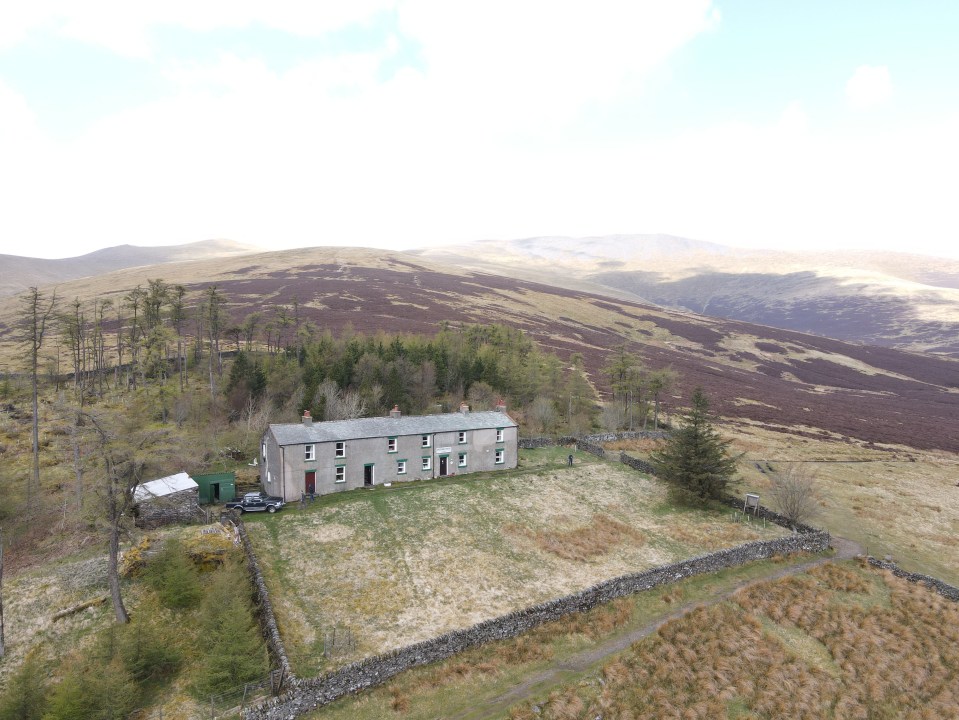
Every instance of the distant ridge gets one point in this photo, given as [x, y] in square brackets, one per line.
[20, 273]
[897, 300]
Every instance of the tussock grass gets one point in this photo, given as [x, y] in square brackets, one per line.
[800, 647]
[471, 685]
[581, 543]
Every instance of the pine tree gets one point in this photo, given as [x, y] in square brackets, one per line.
[235, 652]
[174, 577]
[25, 695]
[695, 458]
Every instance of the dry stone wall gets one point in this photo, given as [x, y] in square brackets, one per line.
[305, 695]
[591, 447]
[267, 618]
[178, 507]
[935, 584]
[532, 443]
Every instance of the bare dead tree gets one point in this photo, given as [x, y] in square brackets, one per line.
[795, 494]
[35, 313]
[340, 404]
[177, 317]
[122, 471]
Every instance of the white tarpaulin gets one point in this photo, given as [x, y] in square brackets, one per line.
[164, 486]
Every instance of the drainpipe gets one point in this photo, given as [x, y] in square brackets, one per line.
[283, 469]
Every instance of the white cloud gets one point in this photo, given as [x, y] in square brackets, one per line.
[868, 87]
[532, 64]
[329, 153]
[124, 27]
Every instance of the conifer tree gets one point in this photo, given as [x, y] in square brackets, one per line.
[235, 652]
[25, 695]
[695, 458]
[35, 313]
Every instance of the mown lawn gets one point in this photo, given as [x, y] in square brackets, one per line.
[402, 564]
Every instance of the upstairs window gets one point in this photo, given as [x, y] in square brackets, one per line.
[391, 444]
[340, 450]
[426, 441]
[309, 452]
[499, 434]
[461, 437]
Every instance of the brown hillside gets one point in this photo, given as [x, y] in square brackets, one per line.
[779, 378]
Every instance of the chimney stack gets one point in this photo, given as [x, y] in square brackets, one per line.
[307, 418]
[395, 412]
[501, 405]
[464, 408]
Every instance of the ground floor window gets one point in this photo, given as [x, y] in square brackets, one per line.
[340, 474]
[427, 463]
[461, 462]
[500, 457]
[401, 467]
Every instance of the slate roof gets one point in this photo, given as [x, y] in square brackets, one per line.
[163, 486]
[337, 430]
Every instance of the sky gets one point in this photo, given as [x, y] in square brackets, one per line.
[399, 124]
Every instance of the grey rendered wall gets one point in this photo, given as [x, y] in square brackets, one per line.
[270, 466]
[480, 448]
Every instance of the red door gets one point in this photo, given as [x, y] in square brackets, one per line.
[310, 482]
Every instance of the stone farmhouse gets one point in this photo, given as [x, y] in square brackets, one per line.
[327, 457]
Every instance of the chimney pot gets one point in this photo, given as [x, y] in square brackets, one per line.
[395, 412]
[307, 418]
[464, 408]
[501, 405]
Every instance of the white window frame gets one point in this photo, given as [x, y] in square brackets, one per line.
[461, 460]
[499, 435]
[401, 467]
[391, 445]
[427, 462]
[309, 452]
[461, 437]
[500, 456]
[426, 441]
[339, 450]
[263, 448]
[339, 473]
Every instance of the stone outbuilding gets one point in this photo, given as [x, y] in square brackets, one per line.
[167, 500]
[327, 457]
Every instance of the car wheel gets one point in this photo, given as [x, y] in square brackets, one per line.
[271, 509]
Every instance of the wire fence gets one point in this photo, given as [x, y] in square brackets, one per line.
[229, 704]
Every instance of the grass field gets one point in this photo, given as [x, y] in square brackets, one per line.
[894, 500]
[403, 564]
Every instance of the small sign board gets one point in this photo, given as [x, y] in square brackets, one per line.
[444, 451]
[752, 503]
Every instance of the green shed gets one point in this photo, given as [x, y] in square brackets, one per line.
[216, 488]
